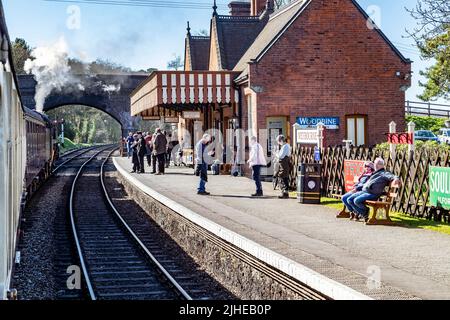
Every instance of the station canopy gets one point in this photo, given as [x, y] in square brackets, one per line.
[166, 93]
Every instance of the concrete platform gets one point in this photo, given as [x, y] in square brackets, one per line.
[343, 259]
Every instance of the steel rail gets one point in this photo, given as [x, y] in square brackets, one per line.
[74, 157]
[142, 246]
[74, 229]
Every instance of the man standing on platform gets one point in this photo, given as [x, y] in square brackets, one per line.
[130, 141]
[201, 169]
[159, 150]
[256, 161]
[284, 160]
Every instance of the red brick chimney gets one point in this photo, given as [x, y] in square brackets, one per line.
[258, 6]
[239, 8]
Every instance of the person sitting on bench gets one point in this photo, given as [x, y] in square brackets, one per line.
[369, 168]
[372, 189]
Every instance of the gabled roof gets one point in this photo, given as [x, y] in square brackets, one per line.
[235, 34]
[278, 23]
[198, 52]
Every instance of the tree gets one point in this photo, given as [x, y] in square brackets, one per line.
[175, 63]
[432, 37]
[21, 52]
[280, 3]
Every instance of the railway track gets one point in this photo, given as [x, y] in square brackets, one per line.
[116, 263]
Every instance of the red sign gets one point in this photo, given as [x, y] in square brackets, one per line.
[352, 169]
[400, 138]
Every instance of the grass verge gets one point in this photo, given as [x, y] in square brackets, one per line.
[400, 218]
[70, 145]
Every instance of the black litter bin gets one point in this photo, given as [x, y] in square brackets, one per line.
[308, 184]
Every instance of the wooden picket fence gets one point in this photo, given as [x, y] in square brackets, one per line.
[414, 194]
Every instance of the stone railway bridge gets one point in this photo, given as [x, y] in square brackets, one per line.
[115, 103]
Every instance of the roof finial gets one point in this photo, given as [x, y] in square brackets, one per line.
[215, 8]
[188, 28]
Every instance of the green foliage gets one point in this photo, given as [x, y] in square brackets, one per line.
[438, 75]
[87, 125]
[432, 36]
[427, 123]
[420, 146]
[70, 145]
[21, 52]
[175, 64]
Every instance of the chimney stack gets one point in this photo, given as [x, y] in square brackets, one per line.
[239, 8]
[259, 6]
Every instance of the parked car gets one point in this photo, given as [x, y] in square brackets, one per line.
[444, 135]
[425, 135]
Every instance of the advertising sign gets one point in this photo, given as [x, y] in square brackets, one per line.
[352, 169]
[331, 123]
[440, 187]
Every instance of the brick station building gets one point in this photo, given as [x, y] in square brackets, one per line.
[309, 59]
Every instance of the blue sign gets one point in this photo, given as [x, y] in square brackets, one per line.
[311, 122]
[317, 154]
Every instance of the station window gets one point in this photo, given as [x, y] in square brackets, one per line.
[357, 129]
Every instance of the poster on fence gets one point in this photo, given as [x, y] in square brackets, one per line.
[440, 187]
[352, 169]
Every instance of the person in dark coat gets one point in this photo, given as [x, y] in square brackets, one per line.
[149, 148]
[142, 150]
[284, 160]
[159, 149]
[201, 168]
[134, 156]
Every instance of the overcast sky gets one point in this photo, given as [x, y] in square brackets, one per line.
[143, 37]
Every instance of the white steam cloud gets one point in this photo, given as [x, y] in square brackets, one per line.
[52, 72]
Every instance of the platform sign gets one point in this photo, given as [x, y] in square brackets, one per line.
[401, 138]
[331, 123]
[171, 120]
[352, 169]
[440, 187]
[307, 136]
[191, 114]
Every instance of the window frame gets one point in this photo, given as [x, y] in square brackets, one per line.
[355, 117]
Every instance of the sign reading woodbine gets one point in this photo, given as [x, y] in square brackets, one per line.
[440, 187]
[312, 122]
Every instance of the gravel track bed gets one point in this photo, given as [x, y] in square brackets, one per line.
[35, 277]
[135, 215]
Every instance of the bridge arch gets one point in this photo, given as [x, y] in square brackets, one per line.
[115, 103]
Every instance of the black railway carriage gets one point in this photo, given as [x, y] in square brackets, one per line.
[39, 158]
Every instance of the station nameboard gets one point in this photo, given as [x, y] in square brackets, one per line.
[440, 187]
[331, 123]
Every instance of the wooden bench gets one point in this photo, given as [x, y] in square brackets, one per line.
[381, 207]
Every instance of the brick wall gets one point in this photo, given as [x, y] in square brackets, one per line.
[329, 63]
